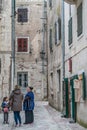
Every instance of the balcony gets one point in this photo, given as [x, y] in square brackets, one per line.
[71, 1]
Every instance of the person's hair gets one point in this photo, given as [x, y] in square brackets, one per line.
[4, 99]
[16, 87]
[31, 88]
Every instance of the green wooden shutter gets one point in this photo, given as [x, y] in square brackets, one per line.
[50, 3]
[84, 86]
[59, 24]
[66, 97]
[73, 97]
[70, 31]
[55, 33]
[50, 40]
[79, 20]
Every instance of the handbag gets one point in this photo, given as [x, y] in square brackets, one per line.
[5, 109]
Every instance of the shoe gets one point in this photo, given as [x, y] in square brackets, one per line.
[19, 125]
[4, 122]
[16, 125]
[7, 122]
[25, 123]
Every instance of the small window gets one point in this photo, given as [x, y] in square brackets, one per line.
[58, 31]
[70, 31]
[79, 20]
[22, 79]
[58, 80]
[0, 65]
[0, 6]
[22, 44]
[50, 40]
[52, 80]
[50, 3]
[45, 3]
[23, 15]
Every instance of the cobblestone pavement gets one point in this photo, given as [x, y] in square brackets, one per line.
[45, 118]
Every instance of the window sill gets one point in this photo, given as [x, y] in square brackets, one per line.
[79, 37]
[58, 43]
[24, 23]
[70, 46]
[22, 52]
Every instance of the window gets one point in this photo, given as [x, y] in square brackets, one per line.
[0, 6]
[22, 78]
[50, 3]
[59, 80]
[50, 40]
[22, 44]
[51, 80]
[79, 20]
[58, 31]
[45, 3]
[59, 28]
[23, 15]
[70, 31]
[0, 65]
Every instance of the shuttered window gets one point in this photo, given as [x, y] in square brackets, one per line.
[50, 3]
[70, 31]
[50, 40]
[0, 65]
[22, 44]
[23, 15]
[79, 20]
[0, 6]
[84, 85]
[59, 27]
[58, 31]
[22, 79]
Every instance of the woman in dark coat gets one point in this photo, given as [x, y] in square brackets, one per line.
[28, 106]
[16, 99]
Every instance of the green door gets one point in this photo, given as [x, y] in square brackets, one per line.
[73, 103]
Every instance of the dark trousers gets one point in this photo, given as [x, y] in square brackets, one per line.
[6, 117]
[17, 117]
[29, 116]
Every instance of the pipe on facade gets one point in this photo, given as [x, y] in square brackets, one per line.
[63, 51]
[13, 44]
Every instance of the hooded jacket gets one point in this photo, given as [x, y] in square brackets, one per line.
[16, 99]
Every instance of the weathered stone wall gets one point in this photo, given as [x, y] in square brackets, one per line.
[78, 52]
[32, 62]
[54, 58]
[5, 48]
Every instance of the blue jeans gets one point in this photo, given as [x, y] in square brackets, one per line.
[17, 117]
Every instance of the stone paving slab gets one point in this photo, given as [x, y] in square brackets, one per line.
[45, 118]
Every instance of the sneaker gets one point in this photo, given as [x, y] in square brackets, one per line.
[4, 122]
[16, 125]
[25, 123]
[7, 122]
[19, 125]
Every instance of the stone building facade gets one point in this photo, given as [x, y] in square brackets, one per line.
[28, 47]
[5, 47]
[75, 60]
[54, 54]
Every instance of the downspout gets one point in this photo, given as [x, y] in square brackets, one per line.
[63, 52]
[43, 40]
[13, 44]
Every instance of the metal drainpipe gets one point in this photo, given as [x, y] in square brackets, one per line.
[43, 47]
[63, 50]
[13, 44]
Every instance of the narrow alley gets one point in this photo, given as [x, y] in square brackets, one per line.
[45, 118]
